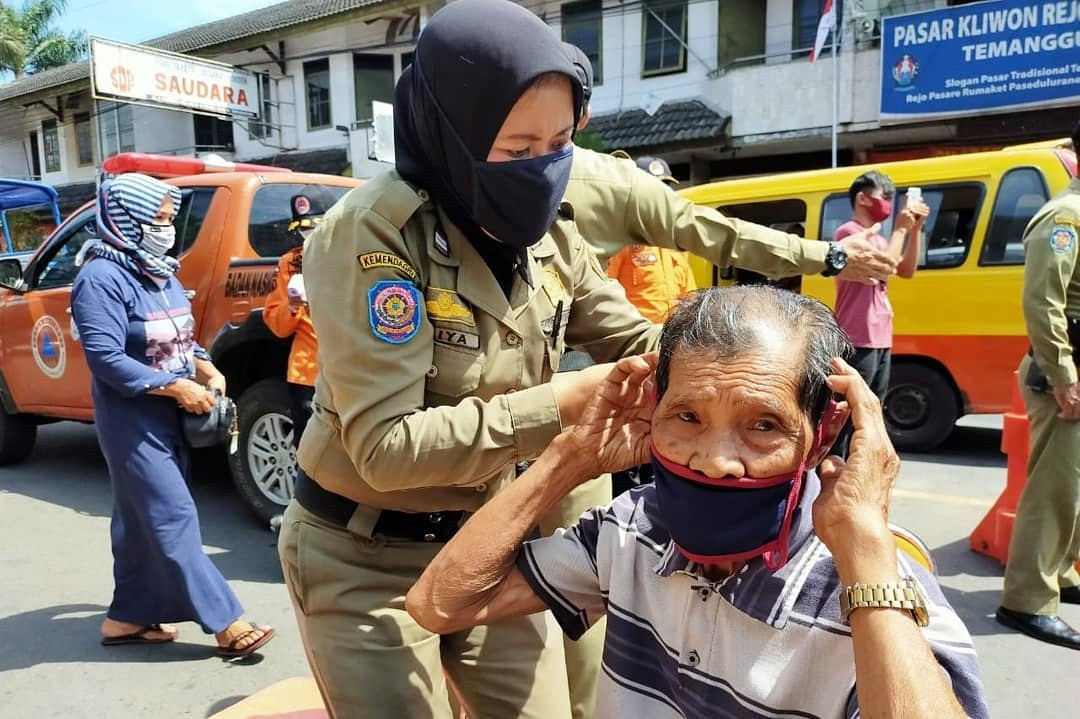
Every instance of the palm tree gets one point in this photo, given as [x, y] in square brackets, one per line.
[30, 43]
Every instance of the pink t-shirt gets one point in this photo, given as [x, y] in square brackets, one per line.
[863, 311]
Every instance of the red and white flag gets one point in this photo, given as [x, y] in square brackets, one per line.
[827, 23]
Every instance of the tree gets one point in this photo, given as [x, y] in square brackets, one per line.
[29, 41]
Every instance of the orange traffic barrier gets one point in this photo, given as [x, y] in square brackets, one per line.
[991, 537]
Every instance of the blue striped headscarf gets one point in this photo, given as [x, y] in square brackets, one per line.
[125, 203]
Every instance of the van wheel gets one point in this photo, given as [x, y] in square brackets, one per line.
[17, 436]
[264, 466]
[920, 407]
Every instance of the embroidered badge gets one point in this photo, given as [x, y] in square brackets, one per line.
[441, 244]
[1062, 238]
[553, 286]
[447, 306]
[371, 260]
[643, 256]
[393, 308]
[457, 339]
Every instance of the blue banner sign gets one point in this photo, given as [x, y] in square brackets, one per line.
[984, 57]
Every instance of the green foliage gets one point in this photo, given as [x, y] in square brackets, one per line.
[29, 228]
[29, 41]
[589, 140]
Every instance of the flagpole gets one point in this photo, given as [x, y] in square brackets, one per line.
[836, 91]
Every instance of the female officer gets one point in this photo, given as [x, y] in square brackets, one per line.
[443, 295]
[136, 328]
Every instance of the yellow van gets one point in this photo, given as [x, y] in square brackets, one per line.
[959, 330]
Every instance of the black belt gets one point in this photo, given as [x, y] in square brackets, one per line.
[414, 526]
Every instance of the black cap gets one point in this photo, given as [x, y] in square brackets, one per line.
[657, 167]
[309, 206]
[583, 66]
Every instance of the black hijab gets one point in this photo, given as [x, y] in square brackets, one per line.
[473, 60]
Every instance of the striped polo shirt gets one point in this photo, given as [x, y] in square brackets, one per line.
[756, 644]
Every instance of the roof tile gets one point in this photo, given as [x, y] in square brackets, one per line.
[673, 123]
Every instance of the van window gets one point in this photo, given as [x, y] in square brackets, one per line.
[193, 209]
[1022, 192]
[784, 215]
[268, 226]
[948, 229]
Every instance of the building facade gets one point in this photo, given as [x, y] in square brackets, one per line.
[718, 87]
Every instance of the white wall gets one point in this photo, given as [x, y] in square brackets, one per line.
[169, 132]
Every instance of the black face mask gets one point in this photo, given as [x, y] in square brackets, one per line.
[517, 201]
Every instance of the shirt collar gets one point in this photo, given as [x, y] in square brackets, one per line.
[755, 590]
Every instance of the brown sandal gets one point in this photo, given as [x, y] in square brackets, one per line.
[231, 651]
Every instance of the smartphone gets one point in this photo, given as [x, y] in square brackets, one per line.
[914, 194]
[296, 289]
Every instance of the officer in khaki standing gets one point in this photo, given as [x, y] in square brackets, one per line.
[1045, 545]
[616, 205]
[443, 294]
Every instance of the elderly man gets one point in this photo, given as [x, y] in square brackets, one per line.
[739, 584]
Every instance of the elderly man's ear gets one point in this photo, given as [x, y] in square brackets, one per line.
[831, 431]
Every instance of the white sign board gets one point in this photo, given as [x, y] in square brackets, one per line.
[140, 74]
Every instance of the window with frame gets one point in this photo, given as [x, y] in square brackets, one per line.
[663, 37]
[373, 79]
[1021, 194]
[262, 126]
[213, 133]
[84, 139]
[947, 232]
[786, 215]
[50, 138]
[268, 225]
[805, 24]
[317, 93]
[741, 32]
[194, 205]
[582, 25]
[116, 128]
[58, 268]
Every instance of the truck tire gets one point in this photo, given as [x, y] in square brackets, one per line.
[17, 437]
[920, 407]
[264, 465]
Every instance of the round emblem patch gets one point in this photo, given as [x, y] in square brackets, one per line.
[393, 311]
[656, 167]
[1062, 238]
[47, 341]
[301, 205]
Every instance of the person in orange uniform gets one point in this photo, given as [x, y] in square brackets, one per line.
[655, 278]
[286, 310]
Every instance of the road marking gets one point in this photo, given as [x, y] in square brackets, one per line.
[943, 498]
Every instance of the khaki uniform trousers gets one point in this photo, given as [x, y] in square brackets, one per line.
[372, 661]
[1045, 544]
[583, 656]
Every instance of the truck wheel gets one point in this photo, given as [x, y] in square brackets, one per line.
[920, 407]
[17, 436]
[264, 466]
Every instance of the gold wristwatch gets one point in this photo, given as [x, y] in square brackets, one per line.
[905, 595]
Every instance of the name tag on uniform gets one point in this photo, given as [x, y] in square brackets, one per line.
[455, 338]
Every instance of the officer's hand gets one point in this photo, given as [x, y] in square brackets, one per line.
[192, 396]
[865, 263]
[573, 390]
[854, 499]
[1068, 399]
[613, 430]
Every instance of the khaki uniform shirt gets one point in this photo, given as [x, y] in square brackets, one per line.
[439, 420]
[617, 204]
[1052, 284]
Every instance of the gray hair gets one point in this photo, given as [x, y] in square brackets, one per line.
[724, 322]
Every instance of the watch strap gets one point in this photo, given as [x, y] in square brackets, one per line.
[902, 595]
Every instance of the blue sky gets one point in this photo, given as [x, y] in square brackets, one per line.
[138, 20]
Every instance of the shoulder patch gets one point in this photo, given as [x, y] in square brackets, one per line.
[371, 260]
[394, 311]
[447, 306]
[1062, 238]
[1066, 220]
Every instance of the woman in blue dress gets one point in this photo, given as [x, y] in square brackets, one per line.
[137, 331]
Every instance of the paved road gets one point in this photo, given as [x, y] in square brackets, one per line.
[55, 569]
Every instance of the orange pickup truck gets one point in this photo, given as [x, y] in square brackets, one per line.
[230, 231]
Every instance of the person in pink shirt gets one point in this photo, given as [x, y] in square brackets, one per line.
[863, 311]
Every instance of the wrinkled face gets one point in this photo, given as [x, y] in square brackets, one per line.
[540, 122]
[740, 417]
[165, 214]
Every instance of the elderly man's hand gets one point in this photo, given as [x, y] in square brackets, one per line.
[854, 500]
[865, 263]
[613, 430]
